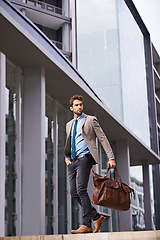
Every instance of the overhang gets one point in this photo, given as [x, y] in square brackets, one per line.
[26, 46]
[42, 16]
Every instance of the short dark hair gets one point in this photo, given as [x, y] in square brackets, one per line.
[75, 97]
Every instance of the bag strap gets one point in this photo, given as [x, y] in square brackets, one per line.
[115, 169]
[106, 172]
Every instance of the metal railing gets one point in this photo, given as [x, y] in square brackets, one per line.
[44, 6]
[58, 44]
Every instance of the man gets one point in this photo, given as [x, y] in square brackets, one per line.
[81, 154]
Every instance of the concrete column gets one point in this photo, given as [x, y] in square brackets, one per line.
[123, 166]
[147, 197]
[33, 166]
[2, 142]
[66, 7]
[74, 33]
[66, 27]
[66, 37]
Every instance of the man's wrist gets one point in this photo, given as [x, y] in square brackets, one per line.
[111, 158]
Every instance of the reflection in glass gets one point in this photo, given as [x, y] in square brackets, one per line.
[103, 171]
[10, 186]
[49, 185]
[105, 225]
[133, 70]
[75, 214]
[98, 50]
[62, 182]
[137, 199]
[110, 214]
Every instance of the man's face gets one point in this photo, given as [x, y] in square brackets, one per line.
[77, 107]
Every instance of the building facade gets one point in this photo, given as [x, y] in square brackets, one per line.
[37, 79]
[115, 54]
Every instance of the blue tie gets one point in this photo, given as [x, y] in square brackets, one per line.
[73, 139]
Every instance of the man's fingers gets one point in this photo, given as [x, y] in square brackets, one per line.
[68, 162]
[111, 164]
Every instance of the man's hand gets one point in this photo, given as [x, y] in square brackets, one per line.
[68, 161]
[111, 163]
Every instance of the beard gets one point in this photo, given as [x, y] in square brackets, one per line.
[78, 112]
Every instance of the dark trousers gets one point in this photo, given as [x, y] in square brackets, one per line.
[79, 172]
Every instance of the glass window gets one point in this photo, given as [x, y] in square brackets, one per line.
[75, 214]
[10, 188]
[133, 70]
[103, 170]
[137, 199]
[13, 149]
[98, 50]
[110, 52]
[62, 178]
[56, 171]
[49, 154]
[110, 223]
[107, 212]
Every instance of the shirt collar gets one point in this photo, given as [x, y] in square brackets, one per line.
[80, 117]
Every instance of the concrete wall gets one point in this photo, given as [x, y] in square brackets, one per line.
[146, 235]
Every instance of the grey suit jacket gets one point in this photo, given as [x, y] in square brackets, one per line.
[91, 130]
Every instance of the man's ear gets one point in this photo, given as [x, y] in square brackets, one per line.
[71, 108]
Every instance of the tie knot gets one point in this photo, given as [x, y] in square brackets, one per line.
[75, 122]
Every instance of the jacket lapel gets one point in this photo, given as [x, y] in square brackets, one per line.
[69, 127]
[83, 120]
[71, 122]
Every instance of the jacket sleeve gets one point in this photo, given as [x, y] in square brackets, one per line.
[67, 148]
[102, 138]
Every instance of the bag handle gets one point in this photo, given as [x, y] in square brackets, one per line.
[115, 169]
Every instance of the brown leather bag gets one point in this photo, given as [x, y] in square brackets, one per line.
[111, 193]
